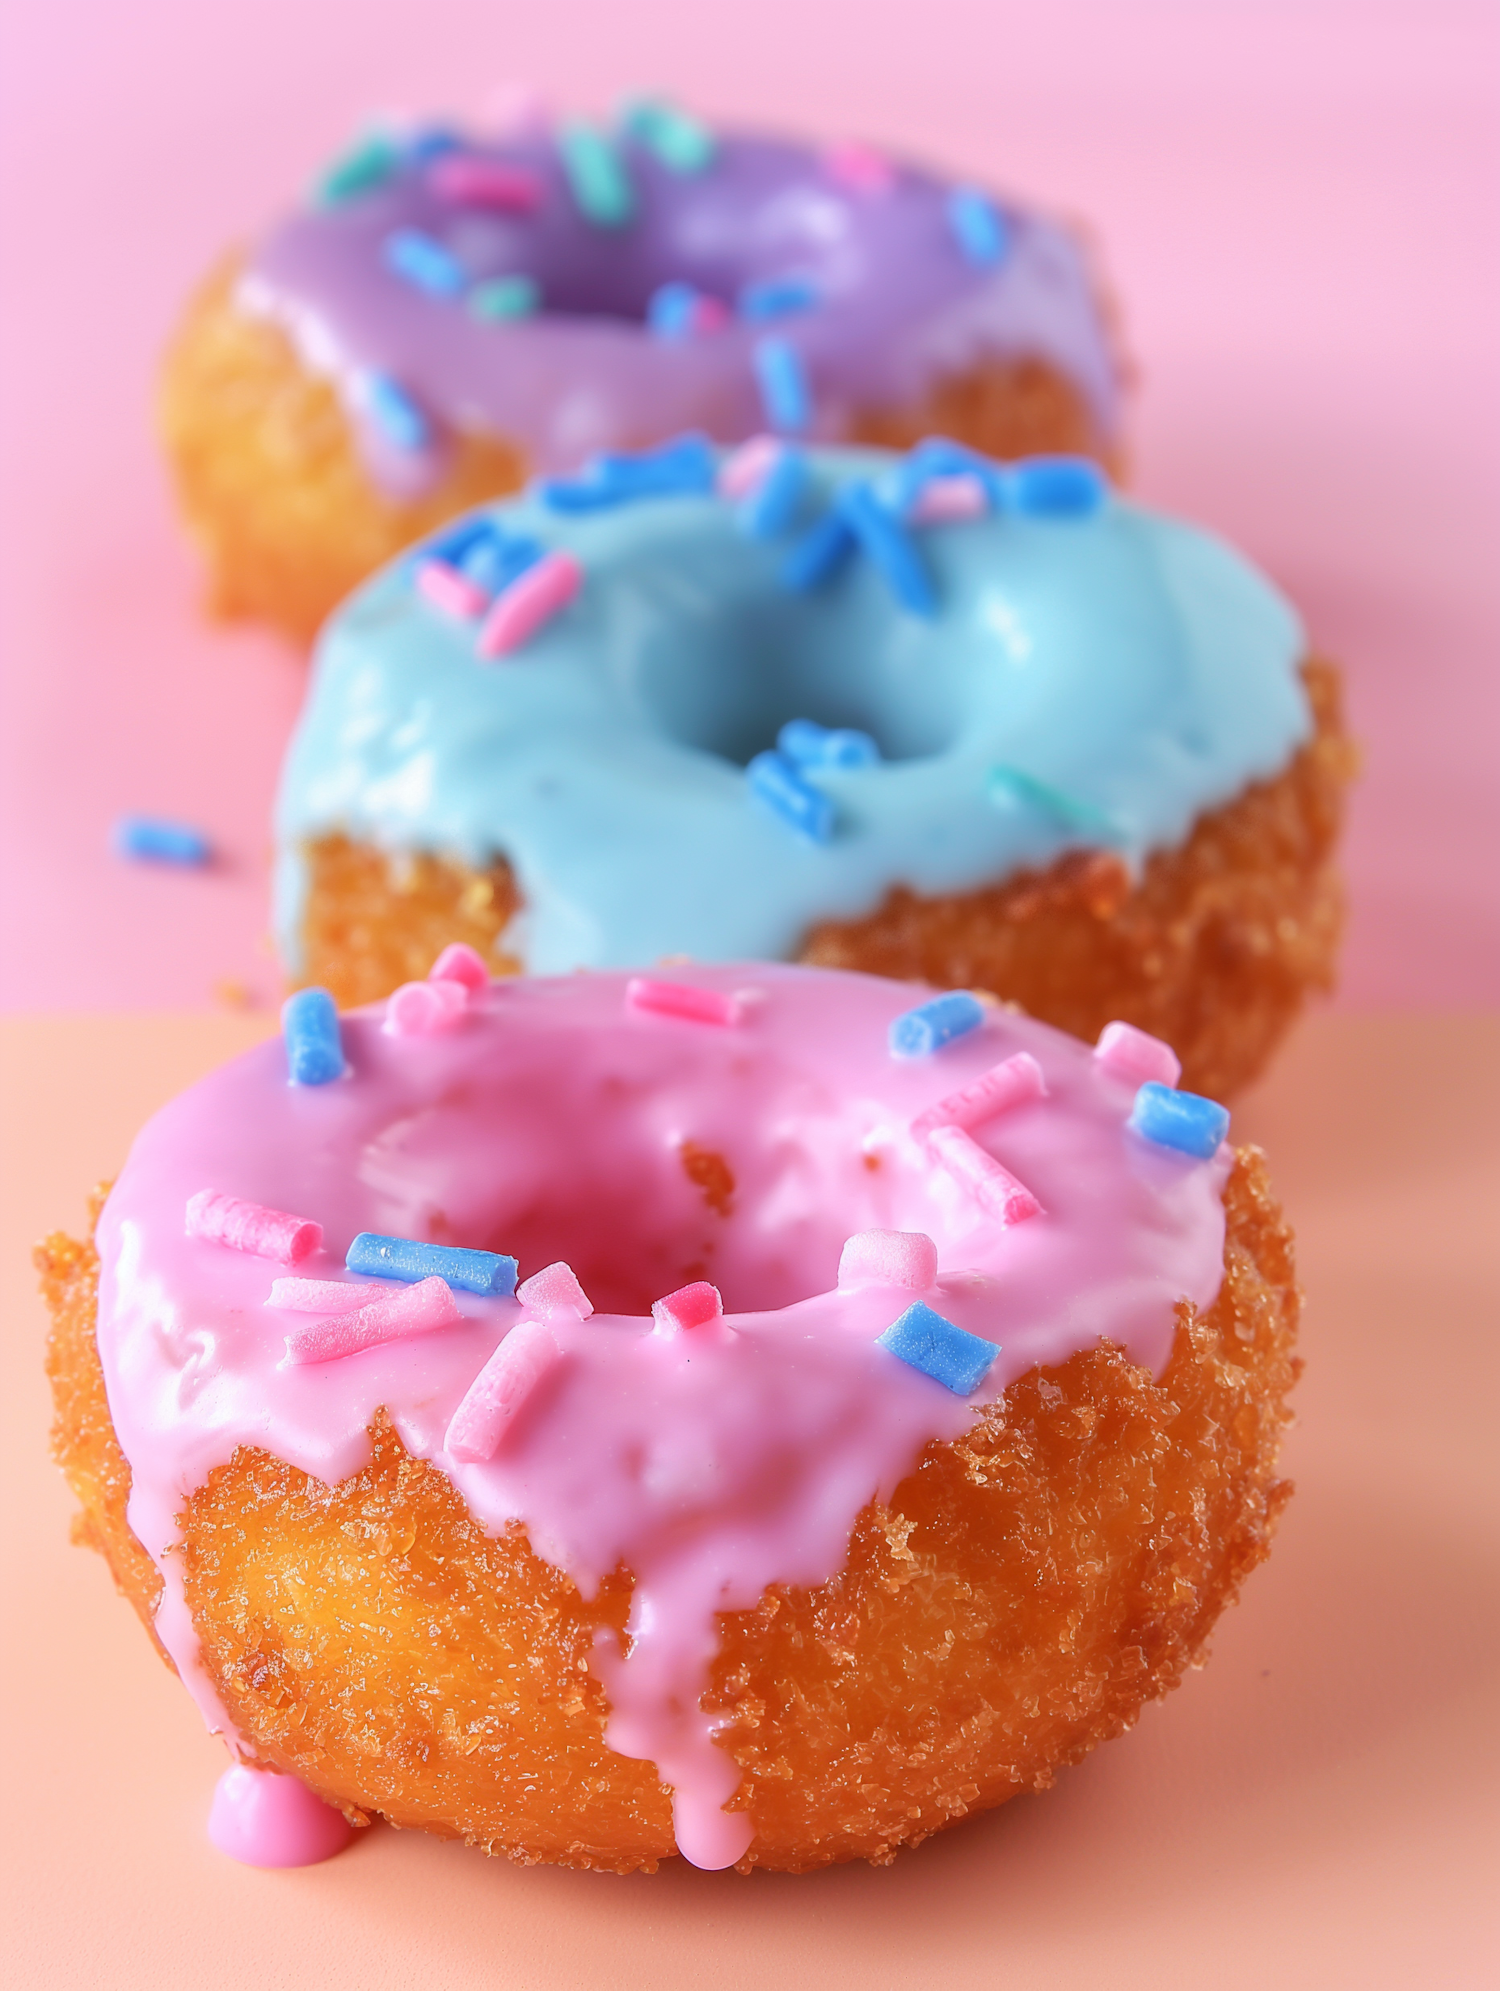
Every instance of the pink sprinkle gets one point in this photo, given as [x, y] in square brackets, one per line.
[889, 1258]
[251, 1227]
[710, 314]
[458, 962]
[859, 166]
[531, 599]
[949, 498]
[690, 1306]
[1132, 1054]
[747, 467]
[1009, 1084]
[322, 1296]
[554, 1290]
[992, 1185]
[472, 182]
[499, 1390]
[446, 588]
[413, 1310]
[677, 999]
[421, 1009]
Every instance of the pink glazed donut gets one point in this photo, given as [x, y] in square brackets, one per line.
[760, 1415]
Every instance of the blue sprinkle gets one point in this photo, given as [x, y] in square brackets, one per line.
[685, 468]
[1181, 1120]
[1055, 487]
[772, 506]
[784, 391]
[157, 841]
[1008, 786]
[408, 1259]
[314, 1043]
[818, 554]
[671, 310]
[432, 141]
[777, 297]
[394, 412]
[807, 744]
[922, 1339]
[938, 457]
[891, 547]
[978, 226]
[494, 563]
[682, 143]
[422, 260]
[917, 1033]
[596, 177]
[776, 782]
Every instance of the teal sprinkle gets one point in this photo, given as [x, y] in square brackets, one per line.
[597, 179]
[1010, 785]
[505, 297]
[369, 165]
[680, 142]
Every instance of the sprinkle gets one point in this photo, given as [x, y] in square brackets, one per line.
[1009, 787]
[422, 1009]
[499, 1390]
[500, 299]
[782, 379]
[252, 1227]
[367, 166]
[777, 297]
[773, 505]
[555, 1291]
[322, 1296]
[949, 498]
[991, 1184]
[314, 1043]
[596, 177]
[677, 999]
[528, 603]
[493, 562]
[459, 962]
[935, 460]
[1181, 1120]
[423, 261]
[1055, 487]
[818, 554]
[894, 552]
[408, 1258]
[857, 165]
[1132, 1054]
[393, 411]
[449, 590]
[681, 142]
[978, 227]
[671, 310]
[807, 744]
[743, 468]
[888, 1258]
[433, 141]
[951, 1356]
[686, 467]
[153, 840]
[689, 1307]
[468, 181]
[774, 781]
[1012, 1083]
[918, 1032]
[415, 1310]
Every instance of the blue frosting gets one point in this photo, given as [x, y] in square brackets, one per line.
[1096, 679]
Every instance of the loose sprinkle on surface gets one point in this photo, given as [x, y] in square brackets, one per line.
[596, 176]
[775, 781]
[990, 1183]
[889, 1258]
[527, 603]
[784, 391]
[807, 744]
[978, 227]
[154, 840]
[678, 999]
[1014, 1082]
[415, 1310]
[499, 1390]
[1181, 1120]
[1134, 1054]
[687, 1308]
[314, 1042]
[918, 1032]
[924, 1340]
[252, 1227]
[406, 1258]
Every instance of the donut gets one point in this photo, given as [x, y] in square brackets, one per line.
[915, 714]
[764, 1415]
[450, 314]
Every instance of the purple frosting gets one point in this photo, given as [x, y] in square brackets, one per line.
[898, 304]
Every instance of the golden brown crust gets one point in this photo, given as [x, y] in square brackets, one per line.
[1026, 1592]
[272, 486]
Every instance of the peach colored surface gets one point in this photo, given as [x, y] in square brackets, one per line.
[1297, 199]
[1317, 1809]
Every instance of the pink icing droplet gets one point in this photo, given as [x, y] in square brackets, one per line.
[990, 1183]
[265, 1819]
[1136, 1056]
[889, 1258]
[251, 1227]
[552, 1291]
[1010, 1083]
[677, 999]
[460, 963]
[689, 1307]
[421, 1009]
[499, 1390]
[413, 1310]
[529, 602]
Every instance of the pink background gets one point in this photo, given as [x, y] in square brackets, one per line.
[1297, 200]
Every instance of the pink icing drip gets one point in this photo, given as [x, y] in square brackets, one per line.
[264, 1819]
[711, 1462]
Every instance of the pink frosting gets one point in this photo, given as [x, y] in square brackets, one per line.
[561, 1124]
[266, 1820]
